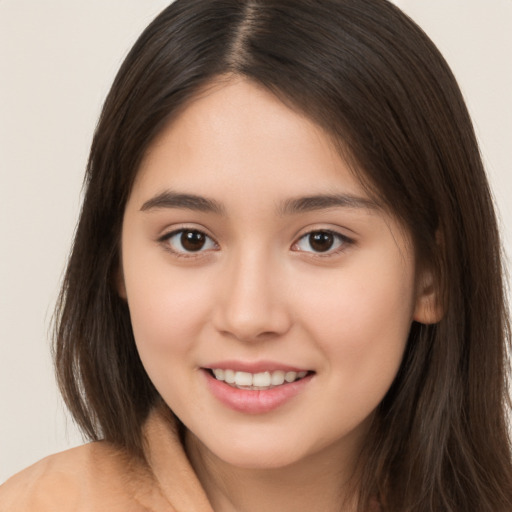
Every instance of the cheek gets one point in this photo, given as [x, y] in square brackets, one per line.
[167, 310]
[361, 322]
[167, 314]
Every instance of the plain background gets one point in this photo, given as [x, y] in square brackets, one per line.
[57, 61]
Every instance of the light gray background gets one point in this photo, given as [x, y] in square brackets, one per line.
[57, 60]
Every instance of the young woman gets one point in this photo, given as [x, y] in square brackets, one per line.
[285, 291]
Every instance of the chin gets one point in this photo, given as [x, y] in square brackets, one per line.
[260, 460]
[246, 453]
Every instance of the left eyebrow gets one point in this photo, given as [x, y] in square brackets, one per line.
[324, 202]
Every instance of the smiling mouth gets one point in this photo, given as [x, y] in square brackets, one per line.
[257, 381]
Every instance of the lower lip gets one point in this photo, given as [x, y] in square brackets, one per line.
[250, 401]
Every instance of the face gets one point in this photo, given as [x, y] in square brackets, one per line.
[270, 297]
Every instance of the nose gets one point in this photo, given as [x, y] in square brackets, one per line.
[252, 303]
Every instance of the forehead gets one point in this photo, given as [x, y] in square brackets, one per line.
[238, 133]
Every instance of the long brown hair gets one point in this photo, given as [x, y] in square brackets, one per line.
[377, 84]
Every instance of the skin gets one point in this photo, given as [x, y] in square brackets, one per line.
[259, 291]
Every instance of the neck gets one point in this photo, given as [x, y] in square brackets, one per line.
[318, 482]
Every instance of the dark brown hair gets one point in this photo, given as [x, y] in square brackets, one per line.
[377, 84]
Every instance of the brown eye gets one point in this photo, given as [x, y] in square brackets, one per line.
[189, 241]
[322, 242]
[192, 240]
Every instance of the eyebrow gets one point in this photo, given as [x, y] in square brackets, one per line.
[170, 199]
[324, 202]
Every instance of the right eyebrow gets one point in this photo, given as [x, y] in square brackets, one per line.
[170, 199]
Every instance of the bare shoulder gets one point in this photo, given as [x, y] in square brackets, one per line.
[76, 480]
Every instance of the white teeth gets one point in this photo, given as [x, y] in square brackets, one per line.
[219, 374]
[290, 376]
[262, 380]
[243, 379]
[229, 376]
[277, 378]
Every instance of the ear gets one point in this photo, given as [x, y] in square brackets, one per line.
[428, 308]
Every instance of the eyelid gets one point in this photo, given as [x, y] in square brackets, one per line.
[169, 234]
[346, 242]
[171, 229]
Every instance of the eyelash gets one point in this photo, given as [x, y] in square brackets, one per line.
[166, 240]
[342, 241]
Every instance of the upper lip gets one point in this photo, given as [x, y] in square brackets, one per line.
[254, 366]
